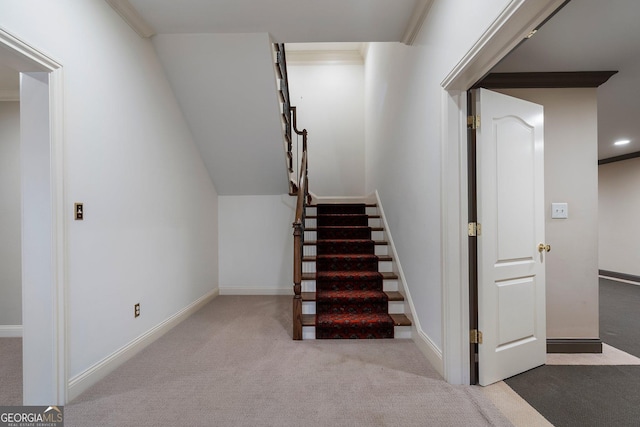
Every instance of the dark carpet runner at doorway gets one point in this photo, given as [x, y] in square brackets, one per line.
[350, 302]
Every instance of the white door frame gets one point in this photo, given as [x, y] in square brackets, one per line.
[516, 21]
[56, 322]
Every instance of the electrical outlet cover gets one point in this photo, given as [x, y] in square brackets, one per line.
[559, 210]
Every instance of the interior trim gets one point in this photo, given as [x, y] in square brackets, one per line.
[620, 158]
[565, 79]
[10, 331]
[623, 276]
[418, 17]
[9, 95]
[38, 61]
[132, 17]
[574, 345]
[81, 382]
[513, 25]
[329, 57]
[428, 348]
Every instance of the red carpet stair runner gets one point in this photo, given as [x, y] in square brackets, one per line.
[350, 301]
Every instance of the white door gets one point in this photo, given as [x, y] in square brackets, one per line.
[511, 279]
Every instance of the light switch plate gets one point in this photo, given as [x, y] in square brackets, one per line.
[559, 210]
[78, 211]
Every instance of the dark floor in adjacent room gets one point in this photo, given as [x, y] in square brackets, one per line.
[593, 395]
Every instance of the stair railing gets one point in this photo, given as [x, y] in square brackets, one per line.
[298, 183]
[285, 101]
[298, 231]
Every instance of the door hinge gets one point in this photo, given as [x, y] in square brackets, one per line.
[473, 122]
[475, 336]
[474, 229]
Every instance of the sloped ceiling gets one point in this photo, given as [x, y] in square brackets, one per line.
[225, 84]
[218, 58]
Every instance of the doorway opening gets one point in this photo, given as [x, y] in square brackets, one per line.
[42, 221]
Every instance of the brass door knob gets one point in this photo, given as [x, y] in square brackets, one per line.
[542, 247]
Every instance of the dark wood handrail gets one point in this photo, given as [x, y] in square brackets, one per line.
[297, 185]
[298, 242]
[301, 201]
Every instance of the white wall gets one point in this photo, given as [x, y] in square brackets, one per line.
[571, 176]
[619, 206]
[150, 228]
[403, 116]
[256, 244]
[10, 245]
[330, 101]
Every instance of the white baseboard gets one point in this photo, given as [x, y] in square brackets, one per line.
[429, 349]
[422, 340]
[81, 382]
[233, 290]
[617, 279]
[10, 331]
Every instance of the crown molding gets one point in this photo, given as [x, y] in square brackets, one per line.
[419, 15]
[132, 17]
[9, 95]
[328, 57]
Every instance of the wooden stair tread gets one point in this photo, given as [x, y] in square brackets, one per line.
[311, 258]
[308, 320]
[392, 295]
[315, 242]
[386, 275]
[398, 320]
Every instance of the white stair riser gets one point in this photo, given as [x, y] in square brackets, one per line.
[399, 332]
[396, 307]
[308, 307]
[308, 332]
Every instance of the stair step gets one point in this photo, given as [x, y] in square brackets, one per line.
[368, 205]
[375, 242]
[398, 320]
[386, 275]
[312, 258]
[343, 226]
[316, 216]
[308, 320]
[391, 295]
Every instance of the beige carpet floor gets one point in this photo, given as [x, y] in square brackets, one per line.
[234, 364]
[10, 371]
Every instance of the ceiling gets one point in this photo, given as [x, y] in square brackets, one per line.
[586, 35]
[593, 35]
[288, 21]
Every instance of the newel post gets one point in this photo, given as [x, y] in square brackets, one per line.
[297, 280]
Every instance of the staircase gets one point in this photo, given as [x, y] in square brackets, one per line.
[349, 288]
